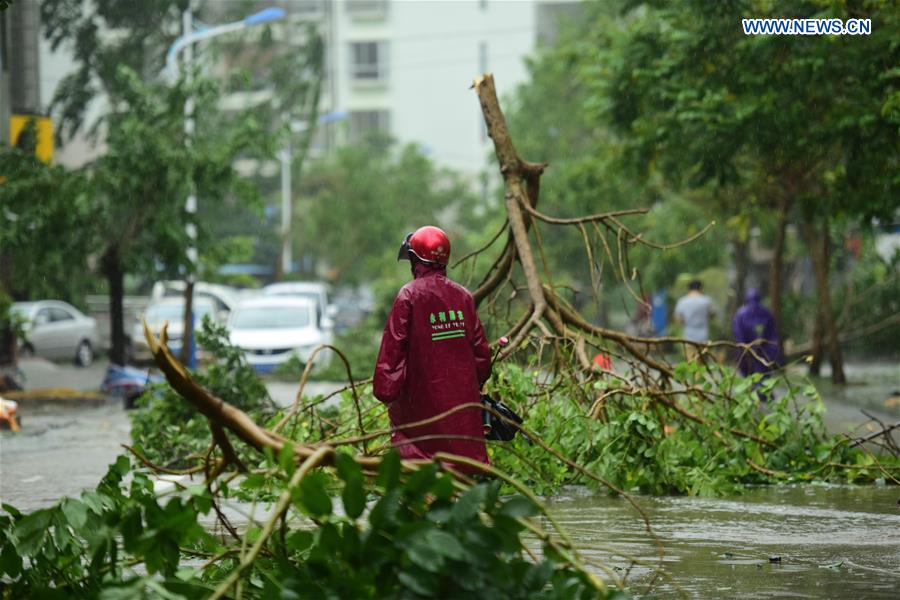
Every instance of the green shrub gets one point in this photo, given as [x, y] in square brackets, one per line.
[398, 535]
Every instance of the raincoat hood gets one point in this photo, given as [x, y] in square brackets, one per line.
[421, 269]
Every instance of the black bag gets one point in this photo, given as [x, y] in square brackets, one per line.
[496, 428]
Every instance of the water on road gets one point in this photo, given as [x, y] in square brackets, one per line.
[831, 541]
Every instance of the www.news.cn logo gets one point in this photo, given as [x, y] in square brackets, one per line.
[807, 26]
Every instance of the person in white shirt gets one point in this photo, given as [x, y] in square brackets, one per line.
[694, 311]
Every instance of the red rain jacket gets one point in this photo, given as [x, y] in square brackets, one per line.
[433, 356]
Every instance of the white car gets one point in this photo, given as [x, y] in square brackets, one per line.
[313, 290]
[223, 296]
[270, 330]
[172, 310]
[57, 330]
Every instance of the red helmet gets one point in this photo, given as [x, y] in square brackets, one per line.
[429, 244]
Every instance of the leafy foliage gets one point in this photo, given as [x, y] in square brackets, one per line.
[419, 539]
[31, 266]
[637, 446]
[419, 542]
[86, 547]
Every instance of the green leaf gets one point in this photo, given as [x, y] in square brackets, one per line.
[313, 494]
[444, 544]
[518, 506]
[421, 583]
[421, 480]
[347, 468]
[469, 504]
[76, 513]
[10, 561]
[389, 471]
[384, 513]
[31, 531]
[253, 482]
[354, 497]
[286, 459]
[425, 556]
[443, 487]
[299, 540]
[538, 576]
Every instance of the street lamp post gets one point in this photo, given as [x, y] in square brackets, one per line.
[185, 43]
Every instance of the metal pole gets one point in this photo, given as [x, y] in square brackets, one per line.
[190, 205]
[286, 207]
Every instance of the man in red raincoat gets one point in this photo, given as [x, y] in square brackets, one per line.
[433, 357]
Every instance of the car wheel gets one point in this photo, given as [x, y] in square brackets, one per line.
[26, 351]
[84, 356]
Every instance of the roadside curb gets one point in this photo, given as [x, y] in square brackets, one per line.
[58, 398]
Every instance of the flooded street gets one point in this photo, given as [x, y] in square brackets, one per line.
[832, 541]
[59, 452]
[62, 451]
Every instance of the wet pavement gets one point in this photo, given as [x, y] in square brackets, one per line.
[832, 541]
[805, 541]
[62, 451]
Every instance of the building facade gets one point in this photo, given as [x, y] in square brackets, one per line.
[405, 68]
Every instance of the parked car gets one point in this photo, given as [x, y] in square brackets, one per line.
[57, 330]
[171, 310]
[313, 290]
[352, 306]
[223, 296]
[271, 330]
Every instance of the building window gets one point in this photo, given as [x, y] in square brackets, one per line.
[366, 9]
[368, 61]
[364, 123]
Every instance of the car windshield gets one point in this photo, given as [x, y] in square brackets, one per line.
[271, 317]
[314, 296]
[175, 312]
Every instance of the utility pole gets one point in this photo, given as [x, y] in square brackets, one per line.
[286, 157]
[188, 356]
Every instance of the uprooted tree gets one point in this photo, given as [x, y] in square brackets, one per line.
[698, 400]
[651, 400]
[431, 530]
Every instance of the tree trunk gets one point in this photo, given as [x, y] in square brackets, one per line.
[818, 343]
[187, 337]
[818, 252]
[777, 271]
[115, 277]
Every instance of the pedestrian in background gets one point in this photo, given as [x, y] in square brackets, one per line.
[694, 311]
[754, 324]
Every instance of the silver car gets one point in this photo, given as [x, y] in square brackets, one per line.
[169, 310]
[57, 330]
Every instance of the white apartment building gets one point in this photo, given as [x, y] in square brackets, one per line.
[405, 67]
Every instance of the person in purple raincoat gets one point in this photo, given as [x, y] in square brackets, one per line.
[754, 324]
